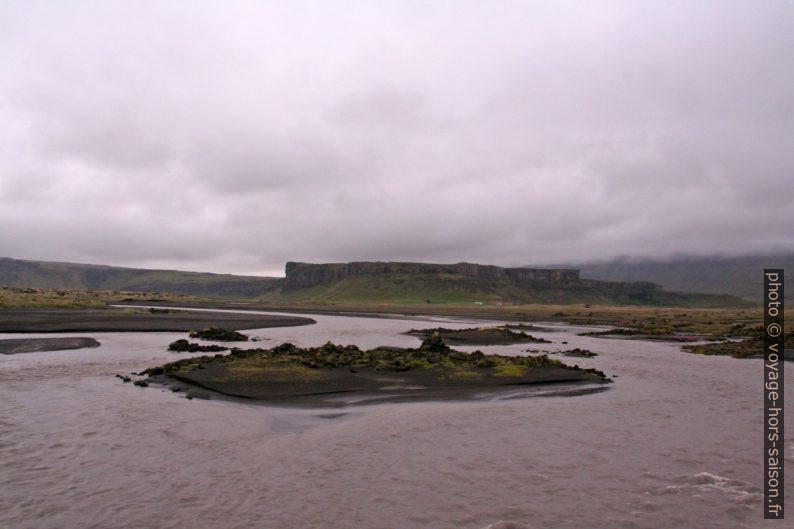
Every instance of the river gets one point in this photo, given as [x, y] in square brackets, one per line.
[676, 441]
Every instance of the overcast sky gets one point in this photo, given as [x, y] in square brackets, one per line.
[234, 136]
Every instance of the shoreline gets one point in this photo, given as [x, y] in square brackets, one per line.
[649, 323]
[564, 387]
[576, 314]
[91, 320]
[15, 346]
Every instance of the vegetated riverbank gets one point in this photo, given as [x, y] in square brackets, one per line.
[739, 341]
[36, 345]
[17, 297]
[666, 324]
[291, 374]
[637, 334]
[129, 319]
[751, 344]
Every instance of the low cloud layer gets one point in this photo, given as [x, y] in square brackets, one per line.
[236, 136]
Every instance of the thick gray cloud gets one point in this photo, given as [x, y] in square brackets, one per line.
[235, 136]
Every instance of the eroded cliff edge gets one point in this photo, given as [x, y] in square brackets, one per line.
[387, 281]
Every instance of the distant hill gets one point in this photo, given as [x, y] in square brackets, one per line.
[41, 274]
[470, 283]
[364, 282]
[739, 276]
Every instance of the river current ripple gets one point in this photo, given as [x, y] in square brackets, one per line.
[676, 441]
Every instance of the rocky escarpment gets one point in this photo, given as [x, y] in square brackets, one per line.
[304, 275]
[467, 282]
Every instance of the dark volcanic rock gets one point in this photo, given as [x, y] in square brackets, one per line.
[581, 353]
[287, 371]
[613, 332]
[435, 344]
[184, 346]
[219, 335]
[479, 335]
[751, 347]
[302, 275]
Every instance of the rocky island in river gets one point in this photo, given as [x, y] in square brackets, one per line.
[287, 373]
[502, 335]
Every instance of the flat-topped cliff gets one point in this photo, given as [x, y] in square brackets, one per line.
[399, 282]
[303, 275]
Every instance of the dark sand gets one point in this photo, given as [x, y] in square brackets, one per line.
[112, 319]
[681, 338]
[366, 386]
[407, 312]
[35, 345]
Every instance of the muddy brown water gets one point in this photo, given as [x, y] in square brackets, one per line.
[675, 442]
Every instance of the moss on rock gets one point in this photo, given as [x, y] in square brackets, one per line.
[216, 334]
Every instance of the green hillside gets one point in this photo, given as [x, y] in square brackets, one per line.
[412, 288]
[40, 274]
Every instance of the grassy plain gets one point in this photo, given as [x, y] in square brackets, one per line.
[72, 298]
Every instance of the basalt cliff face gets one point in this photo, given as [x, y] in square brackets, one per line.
[467, 282]
[304, 275]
